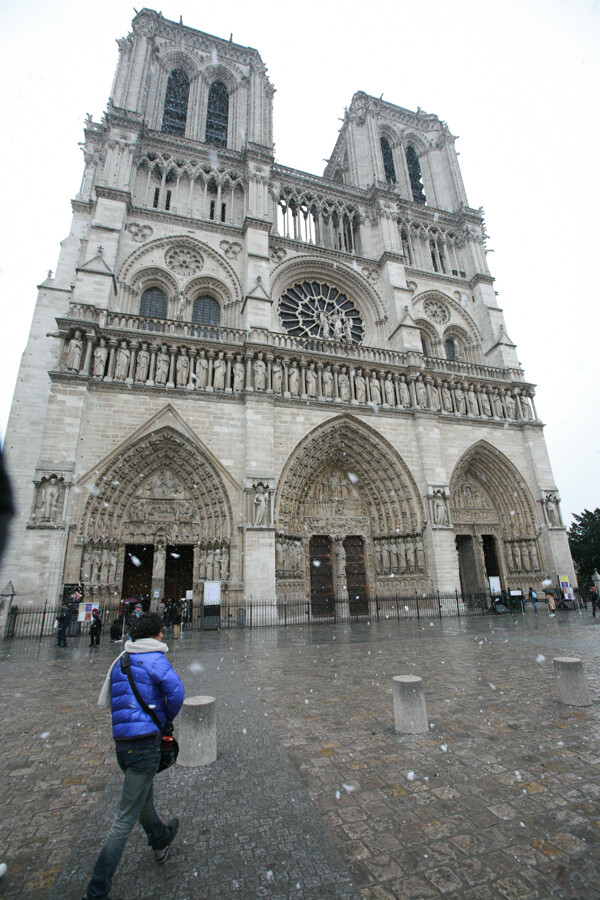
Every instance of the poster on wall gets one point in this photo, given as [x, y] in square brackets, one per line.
[495, 588]
[86, 610]
[212, 593]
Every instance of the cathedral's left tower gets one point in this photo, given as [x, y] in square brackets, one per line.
[186, 139]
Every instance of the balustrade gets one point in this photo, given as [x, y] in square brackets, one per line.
[295, 368]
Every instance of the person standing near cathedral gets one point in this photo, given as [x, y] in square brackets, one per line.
[95, 628]
[176, 617]
[138, 745]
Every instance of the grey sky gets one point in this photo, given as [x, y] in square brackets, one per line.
[517, 81]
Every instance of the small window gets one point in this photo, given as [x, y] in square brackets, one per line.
[176, 103]
[450, 349]
[388, 161]
[206, 311]
[414, 173]
[156, 197]
[168, 201]
[154, 303]
[217, 116]
[223, 211]
[211, 214]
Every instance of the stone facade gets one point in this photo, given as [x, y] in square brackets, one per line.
[297, 386]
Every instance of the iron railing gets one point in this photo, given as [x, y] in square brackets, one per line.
[27, 621]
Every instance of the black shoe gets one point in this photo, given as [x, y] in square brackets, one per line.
[161, 853]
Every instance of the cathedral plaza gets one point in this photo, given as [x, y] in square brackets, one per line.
[313, 794]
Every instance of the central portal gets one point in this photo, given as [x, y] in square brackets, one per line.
[356, 576]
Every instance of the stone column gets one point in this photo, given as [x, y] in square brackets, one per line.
[171, 379]
[85, 370]
[153, 349]
[192, 372]
[113, 344]
[228, 358]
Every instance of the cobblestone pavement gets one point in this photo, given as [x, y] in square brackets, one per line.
[313, 794]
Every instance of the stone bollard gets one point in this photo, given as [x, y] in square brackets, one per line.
[197, 734]
[410, 712]
[572, 686]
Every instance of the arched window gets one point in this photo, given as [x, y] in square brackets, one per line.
[414, 173]
[154, 304]
[406, 248]
[176, 102]
[388, 161]
[450, 349]
[217, 115]
[206, 311]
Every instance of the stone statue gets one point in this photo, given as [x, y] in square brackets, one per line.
[277, 376]
[182, 368]
[260, 373]
[74, 352]
[511, 406]
[436, 403]
[142, 364]
[311, 381]
[404, 392]
[461, 401]
[279, 557]
[344, 386]
[525, 558]
[420, 553]
[348, 329]
[421, 393]
[401, 556]
[526, 407]
[410, 556]
[202, 370]
[327, 383]
[388, 385]
[100, 357]
[49, 499]
[446, 398]
[238, 374]
[338, 326]
[534, 558]
[122, 366]
[219, 368]
[360, 387]
[472, 398]
[440, 511]
[485, 404]
[385, 559]
[324, 323]
[260, 505]
[552, 510]
[162, 367]
[375, 389]
[293, 380]
[497, 404]
[517, 556]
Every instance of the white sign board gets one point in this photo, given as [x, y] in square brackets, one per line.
[495, 587]
[189, 595]
[84, 613]
[212, 593]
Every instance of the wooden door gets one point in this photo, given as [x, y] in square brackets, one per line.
[321, 576]
[356, 575]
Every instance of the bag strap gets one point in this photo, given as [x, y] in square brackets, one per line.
[126, 669]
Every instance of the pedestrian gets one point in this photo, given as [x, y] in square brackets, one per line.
[533, 597]
[594, 598]
[551, 604]
[176, 616]
[95, 628]
[136, 613]
[116, 630]
[63, 620]
[137, 745]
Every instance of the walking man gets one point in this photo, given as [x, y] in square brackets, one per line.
[63, 620]
[533, 597]
[95, 628]
[137, 745]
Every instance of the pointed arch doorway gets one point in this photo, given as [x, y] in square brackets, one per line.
[349, 520]
[494, 522]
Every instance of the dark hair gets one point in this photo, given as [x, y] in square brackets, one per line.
[147, 626]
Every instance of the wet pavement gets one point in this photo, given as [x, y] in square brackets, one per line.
[313, 794]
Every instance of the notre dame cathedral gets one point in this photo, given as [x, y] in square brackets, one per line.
[298, 386]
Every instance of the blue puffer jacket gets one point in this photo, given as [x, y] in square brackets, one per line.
[159, 685]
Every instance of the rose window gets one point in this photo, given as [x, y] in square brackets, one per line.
[315, 309]
[184, 261]
[437, 311]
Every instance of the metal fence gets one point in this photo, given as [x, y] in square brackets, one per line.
[29, 621]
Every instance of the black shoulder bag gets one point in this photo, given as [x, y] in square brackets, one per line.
[169, 748]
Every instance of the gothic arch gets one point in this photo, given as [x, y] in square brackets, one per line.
[457, 323]
[382, 479]
[152, 253]
[161, 485]
[490, 475]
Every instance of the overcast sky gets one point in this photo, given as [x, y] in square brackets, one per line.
[517, 80]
